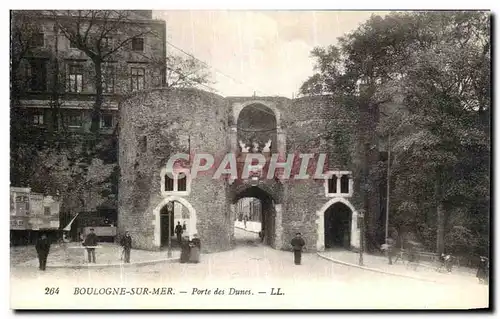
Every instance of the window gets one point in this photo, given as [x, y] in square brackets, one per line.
[75, 78]
[37, 40]
[137, 80]
[332, 184]
[106, 121]
[37, 75]
[22, 204]
[339, 184]
[176, 182]
[73, 119]
[38, 119]
[344, 184]
[107, 43]
[108, 79]
[137, 44]
[20, 223]
[181, 182]
[383, 156]
[169, 183]
[46, 211]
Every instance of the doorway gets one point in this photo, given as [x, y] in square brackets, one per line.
[338, 218]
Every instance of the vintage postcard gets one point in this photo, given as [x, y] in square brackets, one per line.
[250, 159]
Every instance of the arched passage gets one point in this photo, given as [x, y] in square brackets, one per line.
[166, 216]
[268, 215]
[337, 225]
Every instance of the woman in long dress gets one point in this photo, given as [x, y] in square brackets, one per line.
[194, 256]
[185, 250]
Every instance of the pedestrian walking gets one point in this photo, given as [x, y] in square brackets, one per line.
[91, 241]
[389, 249]
[297, 244]
[483, 270]
[42, 249]
[178, 231]
[126, 243]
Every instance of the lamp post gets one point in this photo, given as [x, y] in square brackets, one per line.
[169, 211]
[388, 189]
[362, 235]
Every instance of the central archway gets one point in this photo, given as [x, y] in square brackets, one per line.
[268, 215]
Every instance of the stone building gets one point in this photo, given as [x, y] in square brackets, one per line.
[133, 67]
[157, 124]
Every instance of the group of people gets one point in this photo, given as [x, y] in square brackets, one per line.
[91, 241]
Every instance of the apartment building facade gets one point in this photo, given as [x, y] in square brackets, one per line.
[54, 74]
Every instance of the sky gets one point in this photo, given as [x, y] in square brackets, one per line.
[266, 52]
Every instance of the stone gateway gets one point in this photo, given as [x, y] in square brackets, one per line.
[156, 124]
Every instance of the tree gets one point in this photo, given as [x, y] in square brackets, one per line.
[186, 72]
[100, 34]
[436, 64]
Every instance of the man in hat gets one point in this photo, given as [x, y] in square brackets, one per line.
[42, 249]
[178, 231]
[126, 243]
[91, 241]
[297, 244]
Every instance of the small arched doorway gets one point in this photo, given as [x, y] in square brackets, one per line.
[173, 211]
[338, 225]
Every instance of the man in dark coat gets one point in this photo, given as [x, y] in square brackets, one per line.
[178, 232]
[297, 244]
[126, 243]
[483, 270]
[42, 249]
[91, 241]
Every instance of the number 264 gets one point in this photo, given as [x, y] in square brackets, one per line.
[51, 291]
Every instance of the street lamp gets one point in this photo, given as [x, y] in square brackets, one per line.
[169, 211]
[361, 222]
[388, 189]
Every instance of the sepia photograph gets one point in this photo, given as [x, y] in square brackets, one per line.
[250, 159]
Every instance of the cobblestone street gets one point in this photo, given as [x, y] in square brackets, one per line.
[317, 283]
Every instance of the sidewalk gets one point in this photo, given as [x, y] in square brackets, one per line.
[74, 255]
[253, 227]
[425, 271]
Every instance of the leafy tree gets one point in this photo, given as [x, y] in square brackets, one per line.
[435, 64]
[186, 72]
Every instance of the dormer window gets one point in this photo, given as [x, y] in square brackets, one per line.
[339, 184]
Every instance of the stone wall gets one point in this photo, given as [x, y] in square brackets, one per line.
[153, 126]
[156, 124]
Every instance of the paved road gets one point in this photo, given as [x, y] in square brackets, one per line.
[249, 268]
